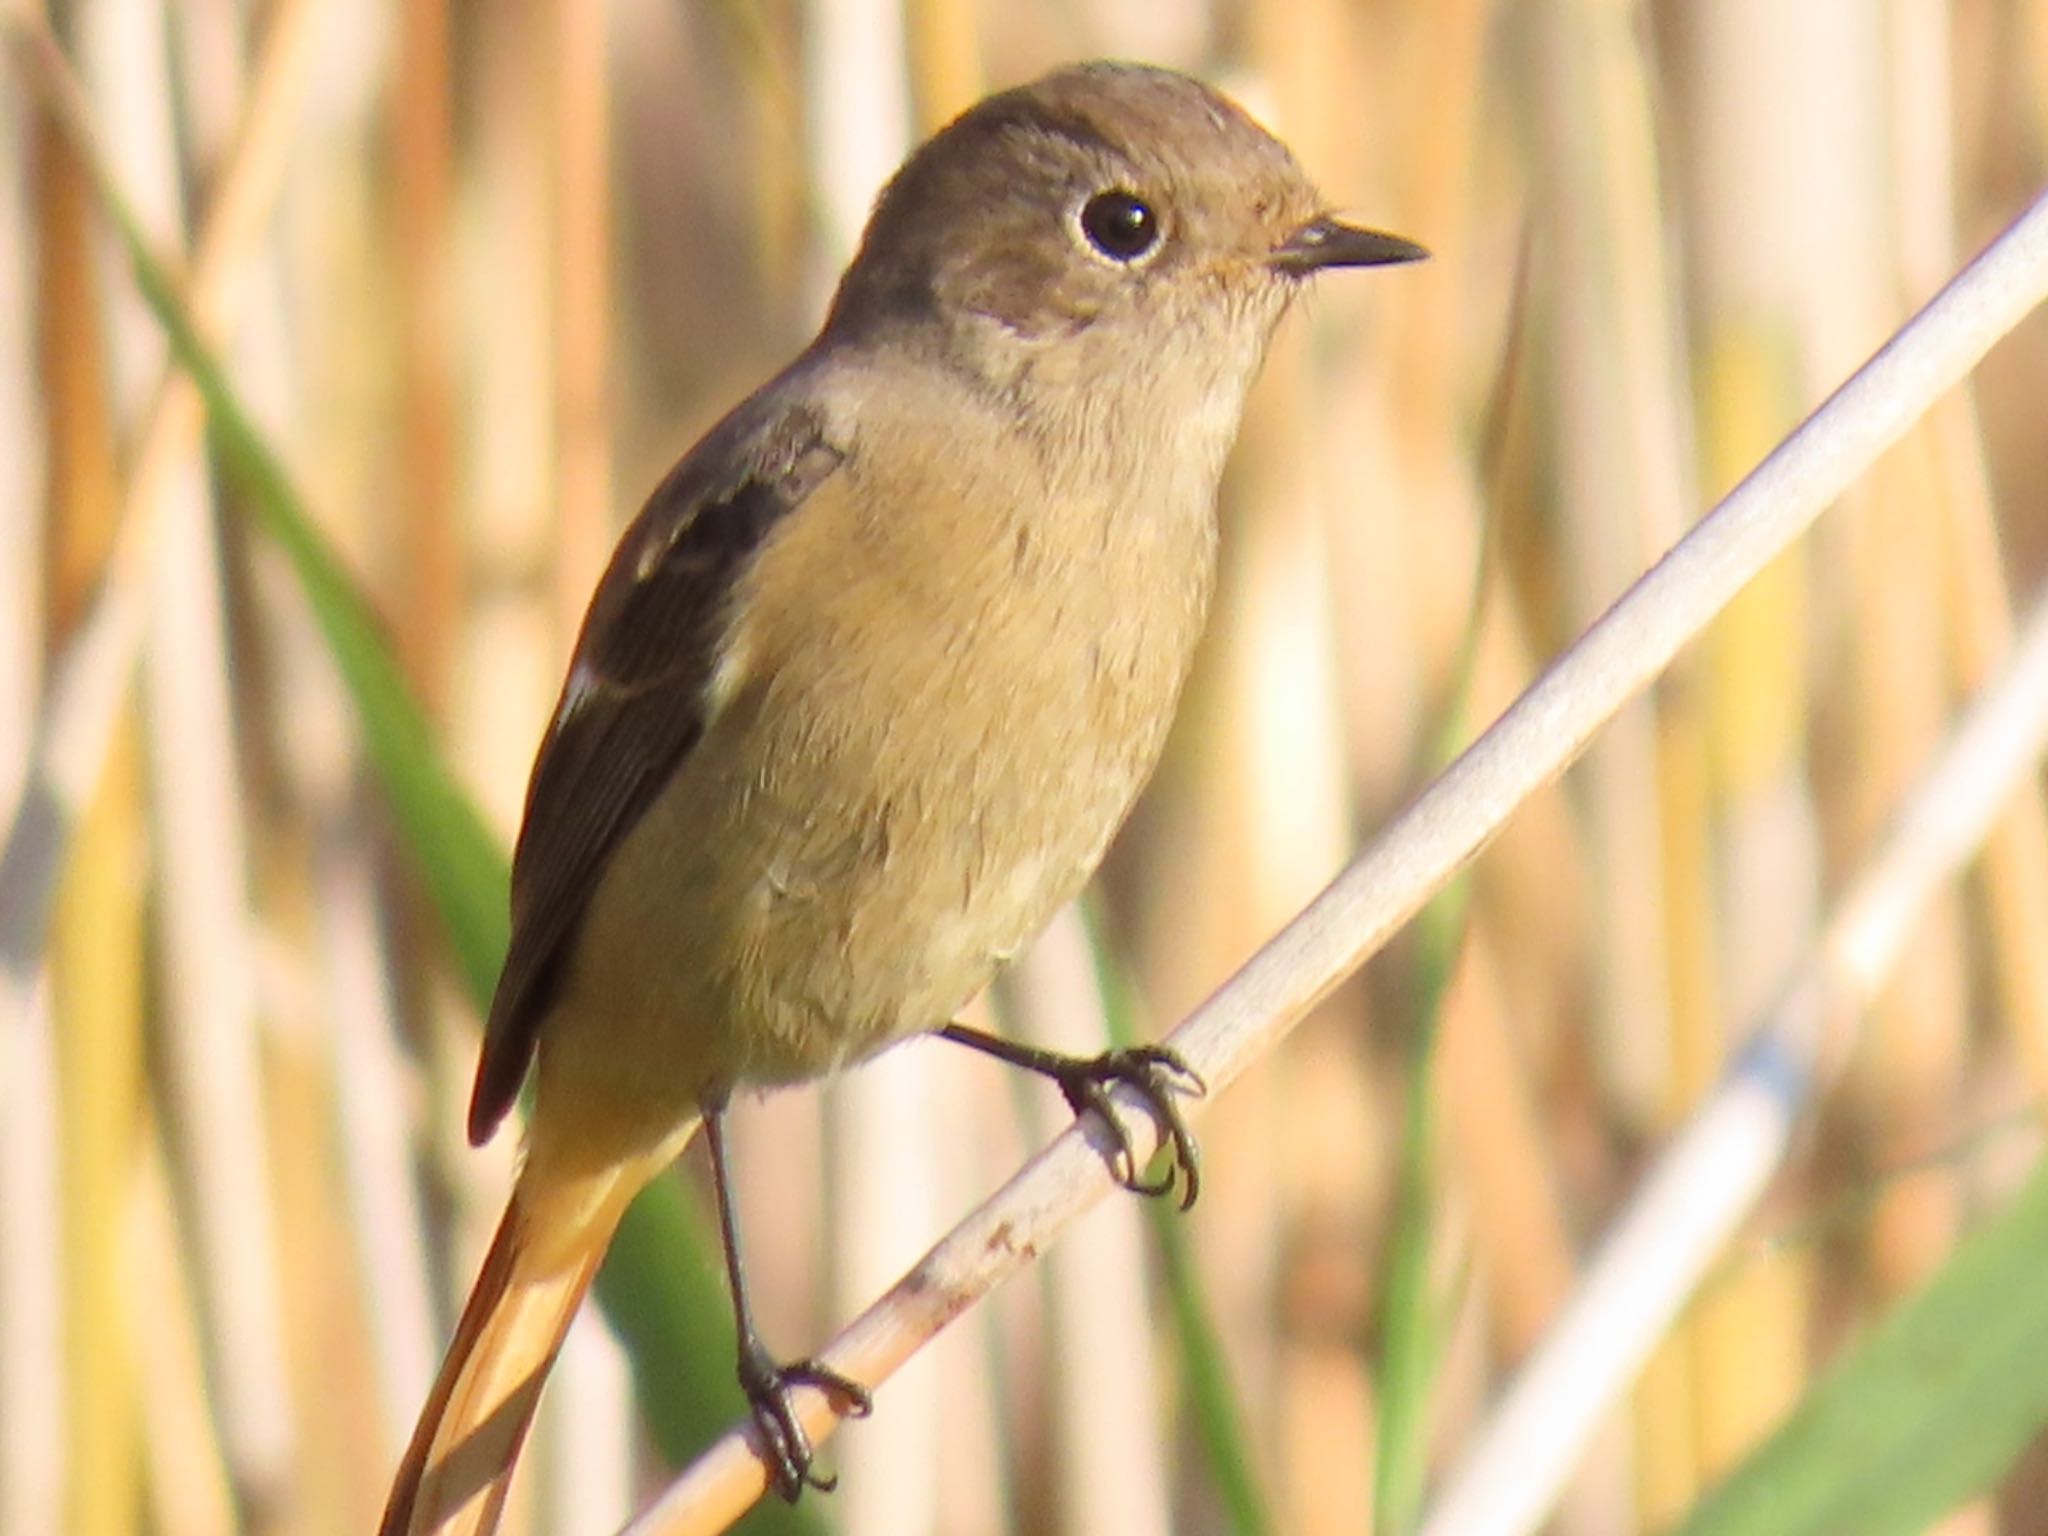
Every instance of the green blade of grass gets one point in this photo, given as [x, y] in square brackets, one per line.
[1207, 1388]
[1207, 1391]
[1929, 1410]
[658, 1286]
[1413, 1329]
[1414, 1323]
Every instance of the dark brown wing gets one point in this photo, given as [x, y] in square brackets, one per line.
[633, 706]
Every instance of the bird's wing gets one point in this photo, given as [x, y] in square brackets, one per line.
[635, 701]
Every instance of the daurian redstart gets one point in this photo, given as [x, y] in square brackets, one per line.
[869, 684]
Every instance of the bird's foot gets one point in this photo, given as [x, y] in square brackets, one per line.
[1160, 1076]
[784, 1445]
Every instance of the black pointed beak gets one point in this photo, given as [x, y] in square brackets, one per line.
[1328, 242]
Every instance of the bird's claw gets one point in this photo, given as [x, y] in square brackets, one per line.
[1159, 1074]
[784, 1445]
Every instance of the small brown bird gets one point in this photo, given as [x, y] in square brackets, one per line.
[868, 686]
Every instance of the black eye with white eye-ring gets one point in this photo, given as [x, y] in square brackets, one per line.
[1120, 225]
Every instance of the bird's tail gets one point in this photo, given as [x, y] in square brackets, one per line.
[557, 1225]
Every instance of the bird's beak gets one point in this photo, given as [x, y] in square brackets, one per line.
[1327, 242]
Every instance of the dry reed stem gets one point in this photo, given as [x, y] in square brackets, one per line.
[188, 1487]
[1507, 1168]
[588, 1429]
[582, 259]
[1716, 1168]
[428, 578]
[92, 945]
[80, 711]
[32, 1305]
[1758, 858]
[22, 401]
[1419, 851]
[373, 1151]
[946, 76]
[1111, 1475]
[210, 1050]
[1624, 440]
[89, 679]
[96, 990]
[2014, 871]
[1625, 487]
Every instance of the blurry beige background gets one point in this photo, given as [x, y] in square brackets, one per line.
[519, 255]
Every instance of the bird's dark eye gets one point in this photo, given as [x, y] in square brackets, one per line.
[1120, 225]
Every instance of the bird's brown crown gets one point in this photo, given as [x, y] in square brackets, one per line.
[1099, 187]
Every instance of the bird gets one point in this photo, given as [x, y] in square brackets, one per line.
[866, 689]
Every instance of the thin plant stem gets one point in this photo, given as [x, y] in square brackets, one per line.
[1716, 1168]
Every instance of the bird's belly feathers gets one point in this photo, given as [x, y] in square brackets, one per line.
[871, 827]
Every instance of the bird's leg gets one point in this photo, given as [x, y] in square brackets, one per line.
[1158, 1074]
[767, 1385]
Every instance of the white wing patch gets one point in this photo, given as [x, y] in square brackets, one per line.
[727, 674]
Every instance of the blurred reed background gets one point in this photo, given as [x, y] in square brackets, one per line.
[482, 271]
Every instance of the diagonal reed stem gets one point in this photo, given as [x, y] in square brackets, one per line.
[1716, 1168]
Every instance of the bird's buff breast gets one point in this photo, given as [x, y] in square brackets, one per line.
[902, 782]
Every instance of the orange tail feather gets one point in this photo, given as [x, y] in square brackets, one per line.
[454, 1475]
